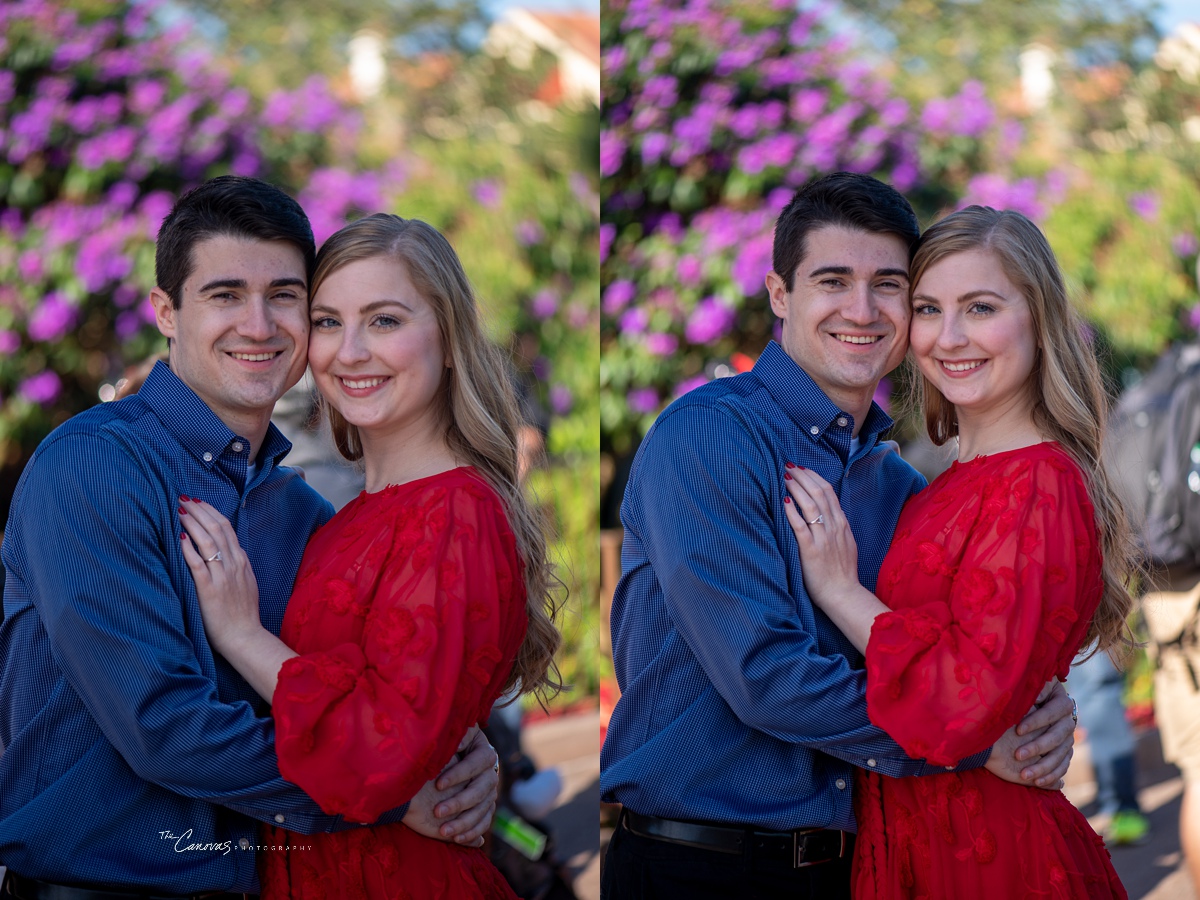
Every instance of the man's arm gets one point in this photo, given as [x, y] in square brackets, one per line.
[90, 549]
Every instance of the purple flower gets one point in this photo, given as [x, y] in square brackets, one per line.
[530, 232]
[752, 264]
[1145, 204]
[807, 105]
[1185, 244]
[561, 400]
[10, 341]
[642, 400]
[617, 296]
[29, 265]
[660, 343]
[607, 234]
[127, 325]
[690, 384]
[689, 270]
[634, 321]
[709, 321]
[936, 116]
[1194, 317]
[883, 395]
[487, 192]
[612, 153]
[42, 388]
[544, 304]
[52, 319]
[654, 146]
[661, 91]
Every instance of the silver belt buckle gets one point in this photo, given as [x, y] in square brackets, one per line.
[798, 850]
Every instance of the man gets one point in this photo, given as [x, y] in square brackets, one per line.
[137, 762]
[743, 709]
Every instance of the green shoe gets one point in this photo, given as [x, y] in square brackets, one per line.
[1128, 827]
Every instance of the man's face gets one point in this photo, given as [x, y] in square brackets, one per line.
[845, 321]
[240, 336]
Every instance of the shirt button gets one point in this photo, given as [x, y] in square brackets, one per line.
[279, 818]
[207, 457]
[949, 768]
[814, 430]
[237, 446]
[871, 763]
[843, 421]
[841, 784]
[244, 843]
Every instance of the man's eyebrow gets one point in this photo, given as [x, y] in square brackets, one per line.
[831, 270]
[226, 283]
[847, 270]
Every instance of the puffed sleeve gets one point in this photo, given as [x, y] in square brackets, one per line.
[950, 672]
[362, 726]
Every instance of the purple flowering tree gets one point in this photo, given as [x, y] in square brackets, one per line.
[105, 118]
[713, 114]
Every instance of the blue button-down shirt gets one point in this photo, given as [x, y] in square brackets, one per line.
[127, 740]
[740, 701]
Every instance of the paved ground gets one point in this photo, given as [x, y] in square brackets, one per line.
[1155, 870]
[572, 743]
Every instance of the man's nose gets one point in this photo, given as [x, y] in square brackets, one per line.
[258, 323]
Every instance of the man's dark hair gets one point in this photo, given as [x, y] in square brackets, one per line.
[842, 199]
[229, 205]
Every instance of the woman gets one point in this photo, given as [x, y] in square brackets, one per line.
[998, 572]
[421, 601]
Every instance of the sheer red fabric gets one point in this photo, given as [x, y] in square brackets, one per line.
[407, 613]
[992, 578]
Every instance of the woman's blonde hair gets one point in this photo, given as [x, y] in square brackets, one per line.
[1069, 402]
[477, 405]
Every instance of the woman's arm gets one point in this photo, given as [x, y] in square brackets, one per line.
[829, 556]
[228, 595]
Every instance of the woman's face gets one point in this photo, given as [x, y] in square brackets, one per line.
[375, 349]
[972, 333]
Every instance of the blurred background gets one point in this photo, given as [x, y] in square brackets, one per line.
[1082, 114]
[479, 116]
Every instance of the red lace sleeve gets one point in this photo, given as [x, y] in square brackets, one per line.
[993, 605]
[362, 726]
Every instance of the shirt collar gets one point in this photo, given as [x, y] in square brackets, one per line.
[805, 403]
[191, 422]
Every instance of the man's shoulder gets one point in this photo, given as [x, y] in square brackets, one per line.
[737, 397]
[117, 422]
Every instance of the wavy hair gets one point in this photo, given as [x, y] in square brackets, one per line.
[1070, 405]
[476, 404]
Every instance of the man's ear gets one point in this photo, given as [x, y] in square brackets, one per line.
[778, 292]
[164, 312]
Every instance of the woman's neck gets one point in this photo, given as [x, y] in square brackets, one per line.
[399, 458]
[996, 430]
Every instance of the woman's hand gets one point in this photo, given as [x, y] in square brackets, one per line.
[828, 552]
[225, 583]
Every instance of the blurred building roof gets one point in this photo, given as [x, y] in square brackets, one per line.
[572, 38]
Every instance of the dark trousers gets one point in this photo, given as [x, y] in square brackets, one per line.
[641, 868]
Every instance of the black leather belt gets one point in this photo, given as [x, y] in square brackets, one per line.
[28, 889]
[806, 847]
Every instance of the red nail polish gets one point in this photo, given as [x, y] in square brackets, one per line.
[183, 499]
[801, 468]
[791, 465]
[182, 511]
[787, 499]
[183, 537]
[787, 476]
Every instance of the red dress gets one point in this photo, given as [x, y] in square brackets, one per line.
[407, 613]
[992, 578]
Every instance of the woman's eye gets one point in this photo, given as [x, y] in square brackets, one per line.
[981, 309]
[386, 321]
[925, 309]
[324, 322]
